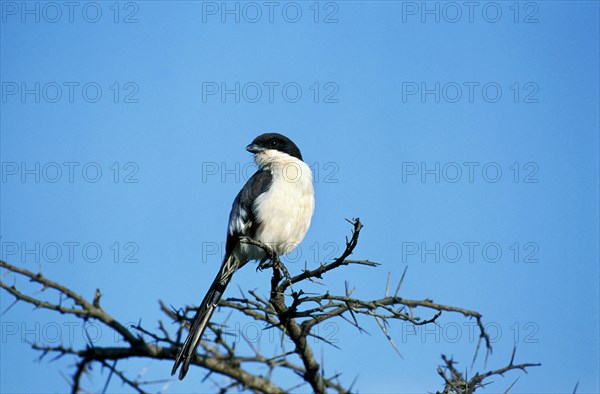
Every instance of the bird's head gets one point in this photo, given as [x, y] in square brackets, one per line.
[273, 146]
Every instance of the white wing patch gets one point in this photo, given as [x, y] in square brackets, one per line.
[239, 222]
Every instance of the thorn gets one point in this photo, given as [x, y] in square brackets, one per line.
[97, 296]
[10, 306]
[385, 332]
[512, 357]
[387, 285]
[401, 281]
[511, 386]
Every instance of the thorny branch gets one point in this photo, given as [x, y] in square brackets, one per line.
[457, 382]
[293, 314]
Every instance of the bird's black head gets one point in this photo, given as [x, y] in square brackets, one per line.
[274, 141]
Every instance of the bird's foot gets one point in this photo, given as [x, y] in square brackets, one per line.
[265, 263]
[271, 260]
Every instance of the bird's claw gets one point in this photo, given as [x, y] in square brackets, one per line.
[264, 264]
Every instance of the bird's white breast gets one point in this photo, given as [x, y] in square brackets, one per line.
[286, 209]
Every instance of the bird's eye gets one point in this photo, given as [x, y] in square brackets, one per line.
[274, 143]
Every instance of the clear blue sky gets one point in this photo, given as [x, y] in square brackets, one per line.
[464, 137]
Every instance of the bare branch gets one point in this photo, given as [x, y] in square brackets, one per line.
[87, 309]
[292, 314]
[456, 383]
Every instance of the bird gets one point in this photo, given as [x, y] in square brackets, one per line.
[274, 207]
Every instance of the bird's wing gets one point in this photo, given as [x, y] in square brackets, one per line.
[242, 219]
[242, 222]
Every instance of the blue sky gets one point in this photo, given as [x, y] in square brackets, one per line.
[464, 136]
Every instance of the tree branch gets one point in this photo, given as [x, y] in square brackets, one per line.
[293, 314]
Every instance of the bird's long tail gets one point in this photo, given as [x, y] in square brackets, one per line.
[202, 317]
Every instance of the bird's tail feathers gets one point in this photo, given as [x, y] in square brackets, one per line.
[202, 317]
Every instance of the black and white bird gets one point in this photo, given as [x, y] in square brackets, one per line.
[274, 207]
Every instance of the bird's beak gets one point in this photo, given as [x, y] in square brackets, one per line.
[254, 148]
